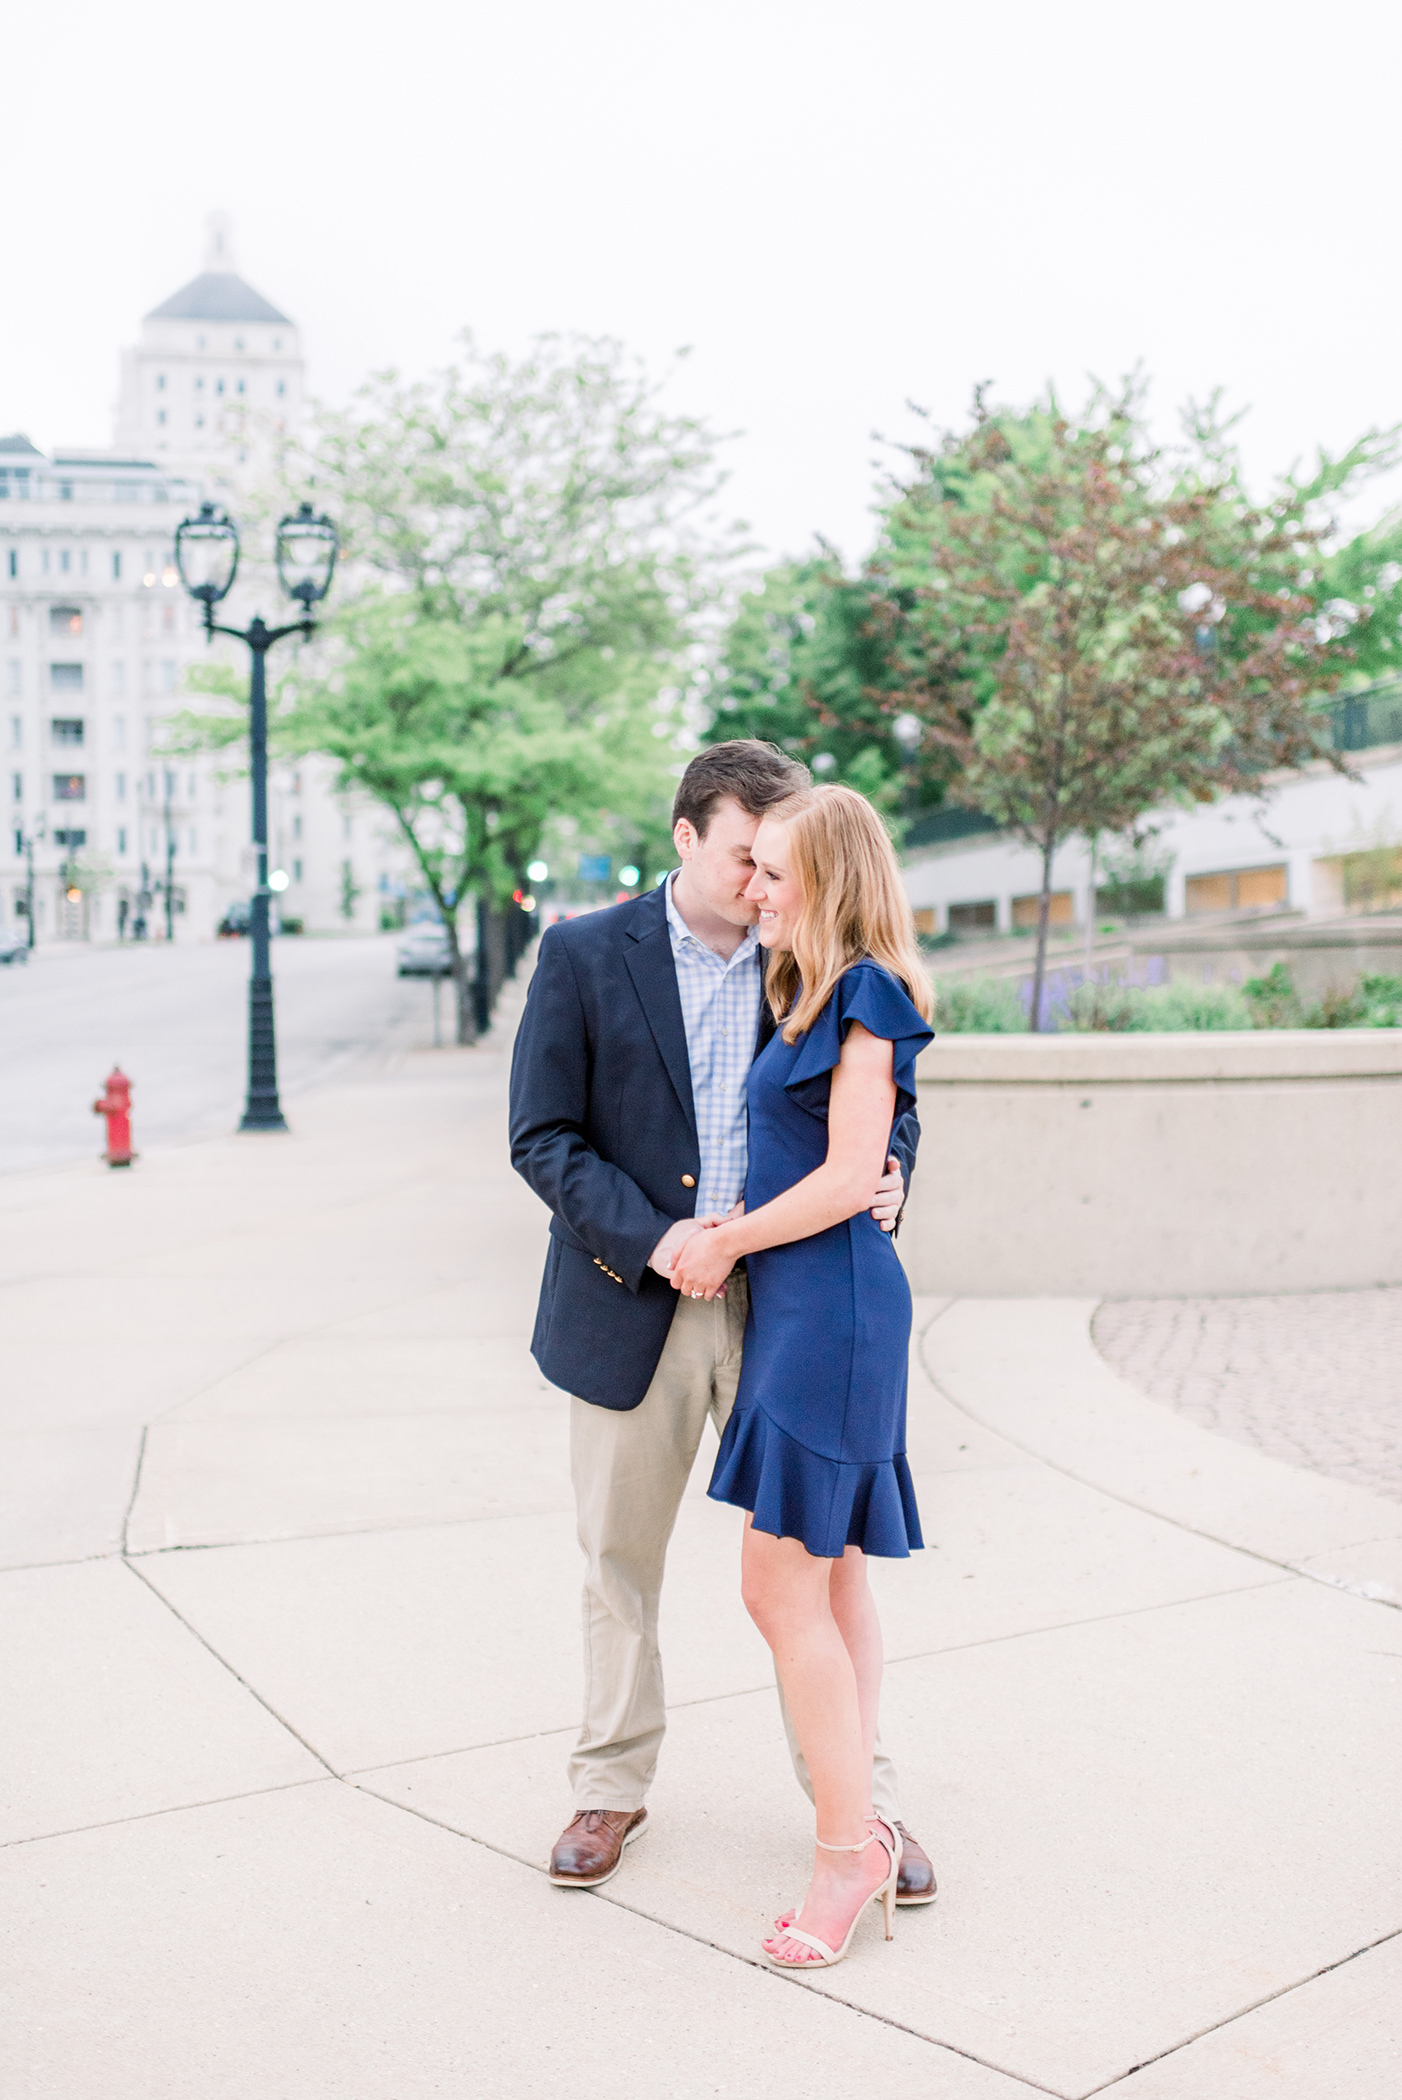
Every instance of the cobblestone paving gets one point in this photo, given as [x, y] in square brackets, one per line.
[1314, 1379]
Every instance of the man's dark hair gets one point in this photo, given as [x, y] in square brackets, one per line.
[755, 774]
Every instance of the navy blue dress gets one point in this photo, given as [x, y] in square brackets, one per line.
[815, 1444]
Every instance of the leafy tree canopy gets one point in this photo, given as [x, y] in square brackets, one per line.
[527, 547]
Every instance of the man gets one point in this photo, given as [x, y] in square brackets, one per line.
[628, 1118]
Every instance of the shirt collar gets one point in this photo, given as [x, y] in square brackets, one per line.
[680, 932]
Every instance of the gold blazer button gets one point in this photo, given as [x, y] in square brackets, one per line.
[688, 1181]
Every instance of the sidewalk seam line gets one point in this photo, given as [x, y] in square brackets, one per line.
[149, 1815]
[697, 1939]
[1230, 2020]
[1145, 1509]
[225, 1664]
[135, 1488]
[755, 1691]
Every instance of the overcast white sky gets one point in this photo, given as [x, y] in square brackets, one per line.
[839, 207]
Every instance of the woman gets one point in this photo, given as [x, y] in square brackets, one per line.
[815, 1447]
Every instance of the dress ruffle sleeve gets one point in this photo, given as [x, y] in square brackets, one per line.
[869, 994]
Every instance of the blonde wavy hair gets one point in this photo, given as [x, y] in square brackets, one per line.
[854, 906]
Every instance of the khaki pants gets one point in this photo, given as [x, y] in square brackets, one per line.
[630, 1471]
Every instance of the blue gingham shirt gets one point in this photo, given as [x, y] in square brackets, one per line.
[720, 1011]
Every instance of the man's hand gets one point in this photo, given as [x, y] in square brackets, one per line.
[670, 1245]
[702, 1266]
[890, 1195]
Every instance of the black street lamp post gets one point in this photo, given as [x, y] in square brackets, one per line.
[170, 857]
[38, 825]
[207, 555]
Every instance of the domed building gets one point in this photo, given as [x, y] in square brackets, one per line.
[107, 832]
[218, 375]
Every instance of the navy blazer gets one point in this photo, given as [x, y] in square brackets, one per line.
[604, 1130]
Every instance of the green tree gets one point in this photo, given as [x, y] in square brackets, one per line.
[527, 547]
[471, 763]
[803, 666]
[1090, 631]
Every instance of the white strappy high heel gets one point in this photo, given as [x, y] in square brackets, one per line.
[885, 1835]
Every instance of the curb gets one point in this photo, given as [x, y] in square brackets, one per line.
[1027, 1369]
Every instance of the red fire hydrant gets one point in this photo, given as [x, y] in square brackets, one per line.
[116, 1106]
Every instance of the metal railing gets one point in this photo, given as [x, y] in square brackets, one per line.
[1372, 715]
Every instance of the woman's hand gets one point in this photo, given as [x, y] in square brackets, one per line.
[704, 1262]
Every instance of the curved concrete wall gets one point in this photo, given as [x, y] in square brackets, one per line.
[1158, 1165]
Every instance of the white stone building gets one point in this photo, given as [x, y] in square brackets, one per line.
[96, 635]
[1318, 844]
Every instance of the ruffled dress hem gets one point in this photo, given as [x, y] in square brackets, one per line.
[828, 1503]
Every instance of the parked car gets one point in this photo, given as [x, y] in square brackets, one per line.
[237, 922]
[424, 952]
[14, 947]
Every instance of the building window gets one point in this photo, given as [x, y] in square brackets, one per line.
[65, 492]
[70, 787]
[240, 386]
[67, 729]
[16, 721]
[193, 847]
[192, 787]
[66, 678]
[973, 918]
[297, 825]
[1238, 889]
[1061, 911]
[120, 782]
[160, 382]
[160, 415]
[282, 386]
[65, 619]
[72, 839]
[218, 386]
[16, 787]
[65, 560]
[82, 561]
[199, 422]
[14, 561]
[296, 871]
[116, 567]
[122, 839]
[119, 680]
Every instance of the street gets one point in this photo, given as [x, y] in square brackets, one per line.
[176, 1020]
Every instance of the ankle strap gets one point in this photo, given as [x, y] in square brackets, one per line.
[871, 1838]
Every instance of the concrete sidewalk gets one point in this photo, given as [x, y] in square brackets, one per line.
[289, 1638]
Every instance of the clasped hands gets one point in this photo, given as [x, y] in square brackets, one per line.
[695, 1260]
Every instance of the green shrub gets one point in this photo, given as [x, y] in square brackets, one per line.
[1273, 1000]
[1194, 1006]
[1336, 1009]
[978, 1006]
[1099, 1009]
[1381, 1000]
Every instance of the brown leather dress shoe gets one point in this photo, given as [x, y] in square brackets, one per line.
[590, 1847]
[916, 1883]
